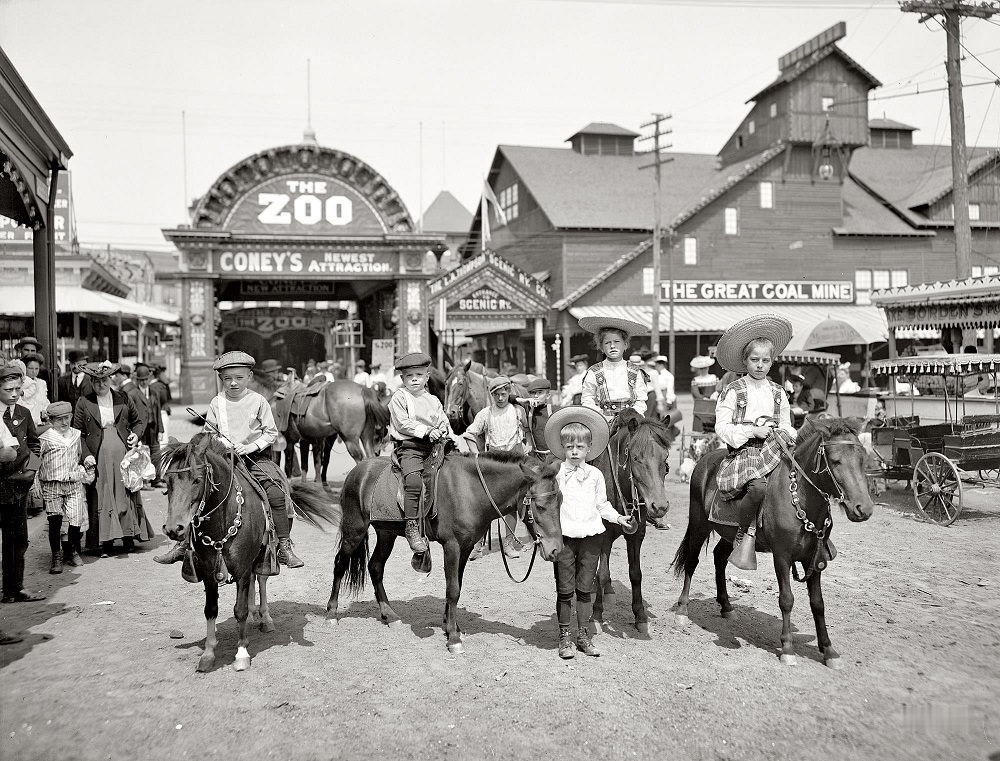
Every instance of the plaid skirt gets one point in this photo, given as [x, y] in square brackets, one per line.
[755, 459]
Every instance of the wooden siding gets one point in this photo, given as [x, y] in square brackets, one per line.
[849, 117]
[767, 130]
[984, 189]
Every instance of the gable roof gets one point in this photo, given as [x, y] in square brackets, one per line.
[582, 192]
[803, 65]
[889, 124]
[864, 214]
[603, 128]
[446, 214]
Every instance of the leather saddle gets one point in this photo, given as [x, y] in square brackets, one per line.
[386, 500]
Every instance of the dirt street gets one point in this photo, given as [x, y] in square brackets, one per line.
[911, 607]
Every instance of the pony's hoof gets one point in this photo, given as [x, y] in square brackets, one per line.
[834, 663]
[456, 648]
[241, 664]
[267, 626]
[395, 623]
[597, 626]
[681, 621]
[205, 664]
[642, 627]
[332, 621]
[789, 660]
[726, 613]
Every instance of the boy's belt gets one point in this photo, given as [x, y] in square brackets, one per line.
[615, 406]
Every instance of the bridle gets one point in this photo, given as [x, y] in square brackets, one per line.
[452, 408]
[529, 520]
[622, 461]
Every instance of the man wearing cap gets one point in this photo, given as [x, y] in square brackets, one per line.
[75, 383]
[29, 345]
[149, 406]
[361, 376]
[161, 387]
[416, 422]
[573, 390]
[16, 477]
[538, 409]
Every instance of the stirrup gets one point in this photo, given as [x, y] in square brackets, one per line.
[744, 555]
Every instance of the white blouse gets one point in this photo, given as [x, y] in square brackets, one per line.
[760, 401]
[107, 407]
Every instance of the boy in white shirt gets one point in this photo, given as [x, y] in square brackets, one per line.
[575, 435]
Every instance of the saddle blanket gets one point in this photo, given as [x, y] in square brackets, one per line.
[728, 512]
[385, 503]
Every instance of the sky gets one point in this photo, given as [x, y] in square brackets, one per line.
[425, 90]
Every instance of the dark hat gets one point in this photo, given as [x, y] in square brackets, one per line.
[270, 366]
[360, 363]
[579, 358]
[521, 379]
[142, 372]
[33, 357]
[100, 370]
[413, 359]
[58, 409]
[591, 418]
[77, 356]
[11, 370]
[124, 369]
[539, 384]
[28, 340]
[234, 359]
[797, 377]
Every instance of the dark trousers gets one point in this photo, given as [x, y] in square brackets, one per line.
[263, 468]
[576, 569]
[152, 440]
[14, 533]
[411, 454]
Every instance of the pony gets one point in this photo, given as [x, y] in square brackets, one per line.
[796, 521]
[349, 410]
[466, 392]
[635, 469]
[212, 495]
[471, 491]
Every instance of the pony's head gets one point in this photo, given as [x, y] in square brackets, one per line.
[187, 469]
[545, 499]
[456, 390]
[833, 451]
[647, 443]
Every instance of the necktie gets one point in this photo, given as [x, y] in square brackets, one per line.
[7, 417]
[78, 379]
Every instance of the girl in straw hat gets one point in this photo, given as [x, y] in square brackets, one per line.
[752, 417]
[613, 385]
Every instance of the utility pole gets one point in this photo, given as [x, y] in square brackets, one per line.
[953, 11]
[660, 131]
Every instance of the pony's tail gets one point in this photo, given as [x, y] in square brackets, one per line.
[315, 507]
[376, 414]
[357, 571]
[684, 553]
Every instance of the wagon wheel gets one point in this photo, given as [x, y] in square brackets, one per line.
[991, 474]
[937, 489]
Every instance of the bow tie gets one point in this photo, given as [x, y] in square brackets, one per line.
[577, 473]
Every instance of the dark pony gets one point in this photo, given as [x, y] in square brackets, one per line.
[471, 491]
[828, 468]
[212, 494]
[635, 468]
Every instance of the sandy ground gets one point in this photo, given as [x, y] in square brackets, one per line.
[912, 608]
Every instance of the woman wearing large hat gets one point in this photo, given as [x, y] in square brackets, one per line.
[703, 383]
[613, 384]
[752, 417]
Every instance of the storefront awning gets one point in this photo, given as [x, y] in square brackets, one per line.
[20, 300]
[709, 318]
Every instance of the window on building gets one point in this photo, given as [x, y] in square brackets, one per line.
[973, 212]
[767, 195]
[508, 201]
[774, 110]
[690, 250]
[732, 221]
[647, 281]
[827, 102]
[990, 270]
[739, 141]
[866, 281]
[752, 126]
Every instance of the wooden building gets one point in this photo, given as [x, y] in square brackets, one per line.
[807, 209]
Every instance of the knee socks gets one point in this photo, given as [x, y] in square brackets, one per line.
[584, 609]
[55, 529]
[74, 538]
[282, 523]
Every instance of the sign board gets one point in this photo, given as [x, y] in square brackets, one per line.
[267, 322]
[498, 263]
[304, 204]
[974, 315]
[65, 230]
[289, 261]
[781, 291]
[484, 300]
[384, 354]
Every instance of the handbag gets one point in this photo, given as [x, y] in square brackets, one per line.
[28, 469]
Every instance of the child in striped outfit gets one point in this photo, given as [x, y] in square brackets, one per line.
[66, 467]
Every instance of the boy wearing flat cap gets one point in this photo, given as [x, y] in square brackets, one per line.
[416, 422]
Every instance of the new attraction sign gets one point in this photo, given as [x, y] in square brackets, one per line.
[784, 291]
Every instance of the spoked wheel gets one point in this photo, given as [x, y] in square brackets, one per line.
[937, 489]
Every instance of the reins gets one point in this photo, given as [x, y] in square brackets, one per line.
[636, 503]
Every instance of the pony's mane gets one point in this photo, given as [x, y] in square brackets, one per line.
[648, 431]
[180, 453]
[498, 455]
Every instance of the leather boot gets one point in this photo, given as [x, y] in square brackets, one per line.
[56, 565]
[565, 643]
[584, 643]
[73, 545]
[417, 543]
[744, 555]
[286, 555]
[174, 555]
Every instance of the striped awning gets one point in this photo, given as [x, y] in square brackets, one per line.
[227, 306]
[717, 318]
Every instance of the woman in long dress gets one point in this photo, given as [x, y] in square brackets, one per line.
[111, 424]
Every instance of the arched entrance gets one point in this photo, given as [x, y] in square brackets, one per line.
[292, 250]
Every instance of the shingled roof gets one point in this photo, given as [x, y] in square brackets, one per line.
[803, 65]
[446, 214]
[603, 128]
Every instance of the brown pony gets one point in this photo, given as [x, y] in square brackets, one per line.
[466, 392]
[349, 410]
[828, 468]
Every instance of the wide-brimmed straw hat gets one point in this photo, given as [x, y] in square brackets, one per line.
[701, 362]
[776, 329]
[596, 324]
[600, 433]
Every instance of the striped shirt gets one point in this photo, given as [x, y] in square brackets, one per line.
[60, 453]
[247, 420]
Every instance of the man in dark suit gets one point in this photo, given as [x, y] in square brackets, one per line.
[15, 481]
[148, 404]
[75, 383]
[161, 387]
[29, 345]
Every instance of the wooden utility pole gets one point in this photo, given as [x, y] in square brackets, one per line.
[659, 131]
[953, 11]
